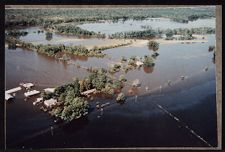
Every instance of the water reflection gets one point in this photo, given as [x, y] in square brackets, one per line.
[148, 69]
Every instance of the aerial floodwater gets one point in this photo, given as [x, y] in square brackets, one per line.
[175, 105]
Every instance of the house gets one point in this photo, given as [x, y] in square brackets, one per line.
[49, 103]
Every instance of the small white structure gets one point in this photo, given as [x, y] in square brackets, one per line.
[88, 92]
[136, 83]
[51, 102]
[38, 101]
[139, 63]
[8, 96]
[27, 85]
[31, 93]
[49, 90]
[13, 90]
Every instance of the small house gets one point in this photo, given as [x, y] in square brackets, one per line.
[49, 103]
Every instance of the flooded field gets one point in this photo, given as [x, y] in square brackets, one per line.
[108, 27]
[154, 115]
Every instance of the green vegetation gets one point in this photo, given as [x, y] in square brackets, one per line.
[153, 45]
[16, 33]
[48, 36]
[77, 31]
[148, 61]
[151, 33]
[115, 68]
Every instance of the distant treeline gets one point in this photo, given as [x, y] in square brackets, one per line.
[52, 50]
[31, 17]
[152, 33]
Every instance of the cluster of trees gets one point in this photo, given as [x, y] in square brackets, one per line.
[16, 33]
[148, 61]
[153, 45]
[152, 33]
[115, 68]
[71, 104]
[146, 34]
[75, 30]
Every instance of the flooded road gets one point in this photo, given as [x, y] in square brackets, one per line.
[137, 123]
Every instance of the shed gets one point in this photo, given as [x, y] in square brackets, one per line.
[49, 90]
[31, 93]
[88, 92]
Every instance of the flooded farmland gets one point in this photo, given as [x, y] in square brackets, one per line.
[157, 114]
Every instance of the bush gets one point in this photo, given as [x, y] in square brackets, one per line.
[153, 45]
[121, 98]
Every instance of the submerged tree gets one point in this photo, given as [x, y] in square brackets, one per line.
[48, 36]
[153, 45]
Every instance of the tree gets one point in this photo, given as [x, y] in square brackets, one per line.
[48, 36]
[169, 33]
[153, 45]
[76, 86]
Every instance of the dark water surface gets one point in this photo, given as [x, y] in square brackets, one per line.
[137, 123]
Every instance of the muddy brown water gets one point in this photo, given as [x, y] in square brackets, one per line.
[133, 124]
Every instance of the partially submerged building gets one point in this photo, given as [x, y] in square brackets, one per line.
[49, 103]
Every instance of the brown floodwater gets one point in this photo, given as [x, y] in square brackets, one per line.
[138, 122]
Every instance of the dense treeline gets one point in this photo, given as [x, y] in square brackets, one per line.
[74, 30]
[152, 33]
[29, 17]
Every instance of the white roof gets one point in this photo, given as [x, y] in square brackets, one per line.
[13, 90]
[8, 96]
[50, 102]
[88, 91]
[27, 85]
[138, 63]
[31, 93]
[49, 90]
[136, 83]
